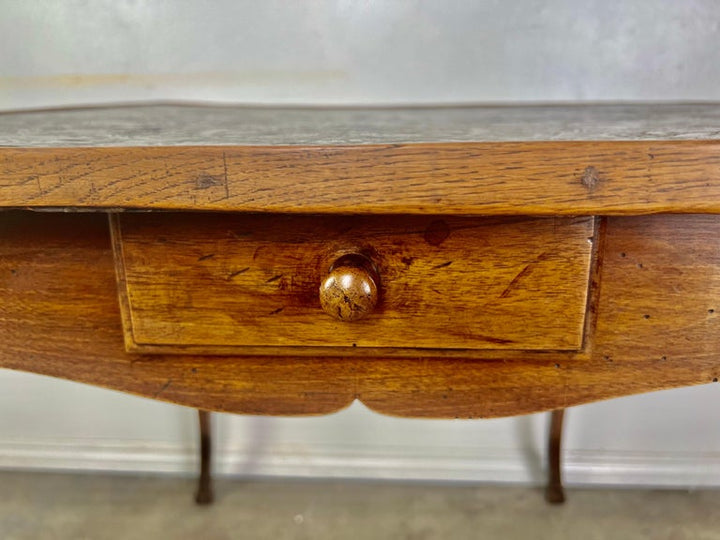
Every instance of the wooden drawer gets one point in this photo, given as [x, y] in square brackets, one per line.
[234, 283]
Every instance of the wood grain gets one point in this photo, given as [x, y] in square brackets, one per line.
[59, 316]
[223, 283]
[530, 178]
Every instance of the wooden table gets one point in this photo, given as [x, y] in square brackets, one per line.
[446, 263]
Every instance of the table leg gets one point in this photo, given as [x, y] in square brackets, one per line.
[554, 492]
[204, 493]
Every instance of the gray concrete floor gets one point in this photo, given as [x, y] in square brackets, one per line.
[57, 506]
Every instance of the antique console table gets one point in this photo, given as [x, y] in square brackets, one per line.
[430, 262]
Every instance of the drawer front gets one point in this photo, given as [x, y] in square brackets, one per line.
[224, 283]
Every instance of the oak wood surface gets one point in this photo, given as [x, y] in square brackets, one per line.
[223, 283]
[657, 326]
[474, 178]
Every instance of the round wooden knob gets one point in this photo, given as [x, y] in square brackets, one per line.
[350, 290]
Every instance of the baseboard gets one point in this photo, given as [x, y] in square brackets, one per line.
[684, 470]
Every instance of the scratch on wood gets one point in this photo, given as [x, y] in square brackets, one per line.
[590, 178]
[524, 272]
[227, 185]
[257, 251]
[491, 339]
[163, 388]
[206, 257]
[443, 265]
[274, 278]
[237, 273]
[206, 181]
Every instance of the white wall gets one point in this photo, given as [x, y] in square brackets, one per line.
[346, 51]
[669, 438]
[357, 51]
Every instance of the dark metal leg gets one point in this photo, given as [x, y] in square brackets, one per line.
[554, 492]
[204, 493]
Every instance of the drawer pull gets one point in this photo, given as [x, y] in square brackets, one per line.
[350, 290]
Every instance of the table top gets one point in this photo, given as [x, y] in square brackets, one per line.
[532, 160]
[195, 125]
